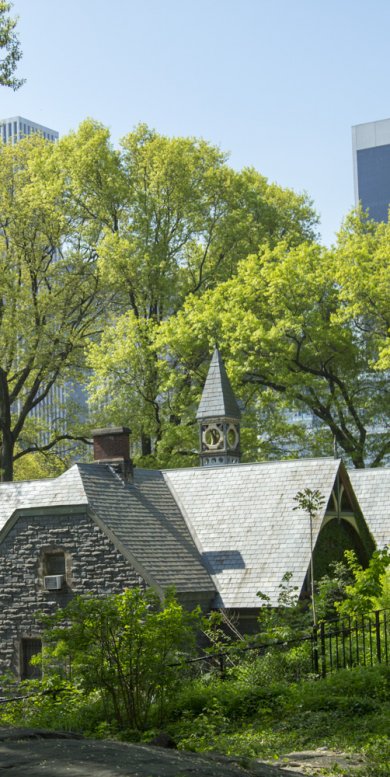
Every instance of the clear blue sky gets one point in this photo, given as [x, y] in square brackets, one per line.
[277, 83]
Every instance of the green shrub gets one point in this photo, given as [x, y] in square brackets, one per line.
[377, 752]
[363, 686]
[67, 709]
[127, 648]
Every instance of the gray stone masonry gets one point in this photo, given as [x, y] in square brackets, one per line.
[93, 565]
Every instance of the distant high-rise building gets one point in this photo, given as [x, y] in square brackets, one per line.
[15, 128]
[371, 167]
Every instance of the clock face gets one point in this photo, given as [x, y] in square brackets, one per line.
[212, 437]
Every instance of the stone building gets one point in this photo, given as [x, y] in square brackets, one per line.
[218, 533]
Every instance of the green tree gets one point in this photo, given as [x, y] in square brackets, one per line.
[126, 646]
[186, 220]
[290, 344]
[364, 275]
[52, 201]
[369, 585]
[9, 48]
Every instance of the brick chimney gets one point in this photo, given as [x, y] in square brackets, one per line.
[111, 446]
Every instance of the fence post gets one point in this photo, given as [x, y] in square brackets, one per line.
[323, 654]
[315, 648]
[378, 636]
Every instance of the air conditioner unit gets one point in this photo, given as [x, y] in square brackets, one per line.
[54, 582]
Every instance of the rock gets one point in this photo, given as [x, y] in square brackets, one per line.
[163, 740]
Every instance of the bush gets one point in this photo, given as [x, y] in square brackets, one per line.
[377, 752]
[127, 648]
[53, 703]
[368, 686]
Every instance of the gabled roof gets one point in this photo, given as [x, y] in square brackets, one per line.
[218, 399]
[243, 520]
[63, 491]
[234, 528]
[372, 489]
[145, 519]
[142, 518]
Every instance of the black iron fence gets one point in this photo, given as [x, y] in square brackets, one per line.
[359, 640]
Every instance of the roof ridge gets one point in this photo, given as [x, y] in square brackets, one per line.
[239, 466]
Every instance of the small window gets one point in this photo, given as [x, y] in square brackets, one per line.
[29, 648]
[55, 563]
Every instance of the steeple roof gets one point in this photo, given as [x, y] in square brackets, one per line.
[218, 399]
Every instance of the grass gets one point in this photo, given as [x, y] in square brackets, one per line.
[349, 711]
[251, 714]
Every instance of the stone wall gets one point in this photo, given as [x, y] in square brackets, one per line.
[92, 565]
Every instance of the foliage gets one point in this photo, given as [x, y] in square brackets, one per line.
[54, 702]
[253, 715]
[377, 752]
[309, 500]
[186, 219]
[364, 594]
[36, 466]
[292, 341]
[49, 282]
[125, 647]
[9, 48]
[364, 275]
[258, 710]
[331, 589]
[289, 618]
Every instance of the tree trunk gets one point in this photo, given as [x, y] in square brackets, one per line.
[146, 445]
[7, 440]
[7, 456]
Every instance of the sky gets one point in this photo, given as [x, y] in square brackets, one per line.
[277, 84]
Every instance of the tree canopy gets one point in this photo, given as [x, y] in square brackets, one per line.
[145, 257]
[186, 221]
[302, 332]
[364, 275]
[49, 282]
[10, 50]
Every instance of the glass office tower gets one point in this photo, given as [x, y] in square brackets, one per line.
[371, 166]
[17, 127]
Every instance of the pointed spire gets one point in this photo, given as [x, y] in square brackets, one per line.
[218, 398]
[219, 418]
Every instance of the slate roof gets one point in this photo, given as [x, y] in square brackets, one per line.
[146, 520]
[234, 527]
[143, 517]
[63, 491]
[243, 520]
[372, 489]
[217, 399]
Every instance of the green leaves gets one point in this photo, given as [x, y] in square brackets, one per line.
[185, 222]
[294, 342]
[128, 647]
[364, 594]
[9, 48]
[311, 501]
[50, 225]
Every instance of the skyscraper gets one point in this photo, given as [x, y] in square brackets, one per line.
[17, 127]
[371, 167]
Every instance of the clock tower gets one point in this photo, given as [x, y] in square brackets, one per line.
[219, 418]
